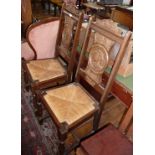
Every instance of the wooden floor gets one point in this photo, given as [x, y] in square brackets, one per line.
[113, 112]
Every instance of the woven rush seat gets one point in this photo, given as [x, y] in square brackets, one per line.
[69, 103]
[42, 70]
[109, 141]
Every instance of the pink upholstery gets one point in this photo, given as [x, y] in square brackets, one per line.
[26, 51]
[43, 39]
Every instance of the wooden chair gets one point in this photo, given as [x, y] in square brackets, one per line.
[43, 73]
[72, 105]
[109, 140]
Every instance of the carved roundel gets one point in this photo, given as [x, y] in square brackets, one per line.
[66, 36]
[98, 58]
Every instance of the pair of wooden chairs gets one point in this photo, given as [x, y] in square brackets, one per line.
[71, 104]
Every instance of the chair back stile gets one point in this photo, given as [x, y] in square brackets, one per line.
[115, 67]
[58, 41]
[84, 47]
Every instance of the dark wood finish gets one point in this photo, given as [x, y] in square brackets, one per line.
[123, 16]
[26, 10]
[109, 140]
[57, 4]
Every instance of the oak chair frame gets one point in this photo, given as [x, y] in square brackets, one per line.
[64, 128]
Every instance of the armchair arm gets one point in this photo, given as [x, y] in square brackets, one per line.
[27, 52]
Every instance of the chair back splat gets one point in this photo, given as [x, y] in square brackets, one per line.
[95, 56]
[68, 35]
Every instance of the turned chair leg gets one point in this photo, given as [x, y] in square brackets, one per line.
[36, 100]
[97, 116]
[62, 134]
[26, 81]
[25, 75]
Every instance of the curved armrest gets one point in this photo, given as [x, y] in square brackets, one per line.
[27, 52]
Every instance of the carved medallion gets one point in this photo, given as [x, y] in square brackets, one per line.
[97, 62]
[98, 58]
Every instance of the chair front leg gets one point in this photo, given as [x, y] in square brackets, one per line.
[62, 134]
[36, 101]
[96, 121]
[26, 80]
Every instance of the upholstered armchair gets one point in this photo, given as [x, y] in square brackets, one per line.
[40, 39]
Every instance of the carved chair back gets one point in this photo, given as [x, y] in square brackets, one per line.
[94, 58]
[68, 35]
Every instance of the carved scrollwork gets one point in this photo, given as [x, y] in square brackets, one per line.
[97, 62]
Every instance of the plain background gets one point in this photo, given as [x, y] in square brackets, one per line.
[144, 77]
